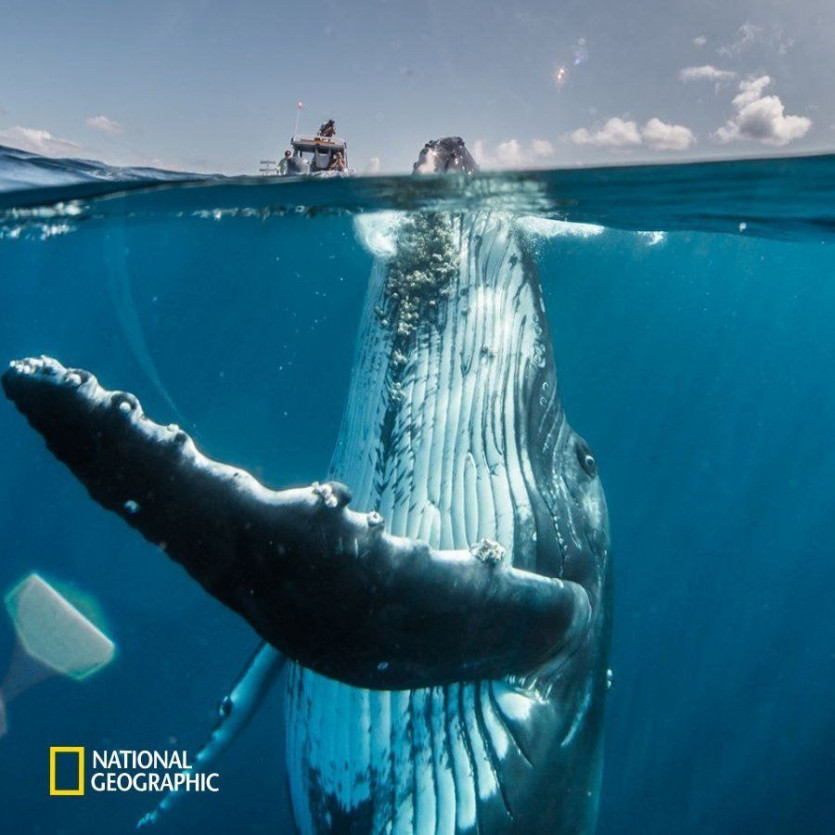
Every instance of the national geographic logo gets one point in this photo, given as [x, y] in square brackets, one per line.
[66, 753]
[125, 771]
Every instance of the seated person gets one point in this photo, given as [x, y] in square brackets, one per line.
[337, 162]
[327, 129]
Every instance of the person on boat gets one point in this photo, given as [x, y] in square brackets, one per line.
[283, 163]
[337, 162]
[327, 129]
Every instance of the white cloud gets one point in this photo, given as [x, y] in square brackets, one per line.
[705, 73]
[700, 41]
[750, 35]
[373, 166]
[618, 133]
[750, 90]
[512, 154]
[746, 36]
[38, 141]
[103, 124]
[660, 136]
[761, 118]
[542, 148]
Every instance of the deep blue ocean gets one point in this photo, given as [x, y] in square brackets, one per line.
[694, 336]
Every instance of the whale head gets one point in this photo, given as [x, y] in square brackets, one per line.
[443, 156]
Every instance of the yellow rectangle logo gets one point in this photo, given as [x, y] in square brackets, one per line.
[53, 752]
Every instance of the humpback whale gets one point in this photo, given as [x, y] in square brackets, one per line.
[438, 610]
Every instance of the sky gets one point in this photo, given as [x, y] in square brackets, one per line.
[210, 86]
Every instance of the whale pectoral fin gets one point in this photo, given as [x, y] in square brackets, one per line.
[323, 584]
[234, 713]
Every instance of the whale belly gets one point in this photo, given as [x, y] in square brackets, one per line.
[437, 437]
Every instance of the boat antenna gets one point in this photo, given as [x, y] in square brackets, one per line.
[298, 113]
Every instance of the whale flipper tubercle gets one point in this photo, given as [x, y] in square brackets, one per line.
[323, 584]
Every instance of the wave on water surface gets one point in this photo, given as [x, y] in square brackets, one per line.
[23, 170]
[788, 198]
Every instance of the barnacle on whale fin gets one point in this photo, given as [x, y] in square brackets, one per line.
[488, 551]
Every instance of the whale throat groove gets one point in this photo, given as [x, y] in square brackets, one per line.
[454, 432]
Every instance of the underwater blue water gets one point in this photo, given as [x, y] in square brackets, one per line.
[697, 363]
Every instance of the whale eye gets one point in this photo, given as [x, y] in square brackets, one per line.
[586, 458]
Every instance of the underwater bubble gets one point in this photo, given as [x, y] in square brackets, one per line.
[377, 232]
[652, 238]
[540, 227]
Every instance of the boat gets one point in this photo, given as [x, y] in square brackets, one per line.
[324, 154]
[317, 155]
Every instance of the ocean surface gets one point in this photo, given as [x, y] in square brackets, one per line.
[693, 316]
